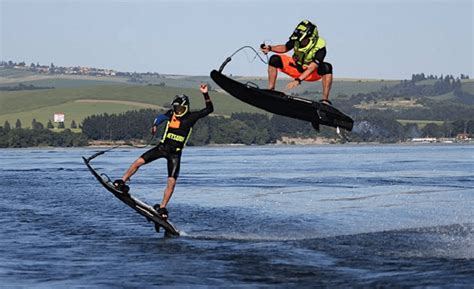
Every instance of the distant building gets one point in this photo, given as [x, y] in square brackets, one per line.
[424, 140]
[58, 117]
[447, 140]
[463, 137]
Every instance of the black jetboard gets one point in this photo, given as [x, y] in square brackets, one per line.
[142, 208]
[280, 103]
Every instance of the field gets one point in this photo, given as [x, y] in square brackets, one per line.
[80, 102]
[80, 96]
[420, 123]
[390, 104]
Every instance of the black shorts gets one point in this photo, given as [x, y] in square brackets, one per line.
[161, 151]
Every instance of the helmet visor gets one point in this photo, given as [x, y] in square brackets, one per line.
[305, 42]
[179, 109]
[297, 35]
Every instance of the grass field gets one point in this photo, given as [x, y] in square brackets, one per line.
[63, 82]
[77, 103]
[420, 123]
[10, 73]
[73, 95]
[72, 111]
[390, 104]
[468, 86]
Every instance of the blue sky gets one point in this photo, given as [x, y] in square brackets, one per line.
[388, 39]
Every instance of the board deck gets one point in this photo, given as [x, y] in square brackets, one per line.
[139, 206]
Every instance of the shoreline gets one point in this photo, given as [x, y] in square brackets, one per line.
[318, 144]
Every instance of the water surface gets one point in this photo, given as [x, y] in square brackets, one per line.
[331, 216]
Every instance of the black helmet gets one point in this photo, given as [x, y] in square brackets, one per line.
[304, 29]
[180, 104]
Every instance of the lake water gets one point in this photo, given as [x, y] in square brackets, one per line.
[271, 216]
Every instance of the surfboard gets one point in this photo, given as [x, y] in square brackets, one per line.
[139, 206]
[280, 103]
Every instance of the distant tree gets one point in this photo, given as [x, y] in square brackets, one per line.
[470, 127]
[32, 65]
[418, 77]
[73, 124]
[61, 125]
[412, 130]
[448, 129]
[52, 65]
[459, 126]
[36, 124]
[39, 125]
[18, 124]
[6, 126]
[432, 130]
[49, 125]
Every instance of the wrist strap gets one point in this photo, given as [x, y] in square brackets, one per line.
[299, 80]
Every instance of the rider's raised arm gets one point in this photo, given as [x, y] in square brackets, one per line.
[209, 106]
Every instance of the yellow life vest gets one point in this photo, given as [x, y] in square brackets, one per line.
[305, 55]
[174, 132]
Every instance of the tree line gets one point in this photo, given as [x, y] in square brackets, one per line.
[39, 135]
[245, 128]
[38, 125]
[242, 128]
[255, 128]
[18, 138]
[22, 86]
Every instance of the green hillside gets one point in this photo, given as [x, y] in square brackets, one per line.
[12, 77]
[80, 96]
[11, 73]
[77, 103]
[63, 82]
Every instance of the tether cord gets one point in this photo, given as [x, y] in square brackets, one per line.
[114, 147]
[253, 49]
[228, 59]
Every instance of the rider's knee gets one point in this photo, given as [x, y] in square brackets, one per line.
[324, 68]
[139, 162]
[171, 182]
[275, 61]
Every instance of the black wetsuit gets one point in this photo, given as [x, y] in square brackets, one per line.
[178, 130]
